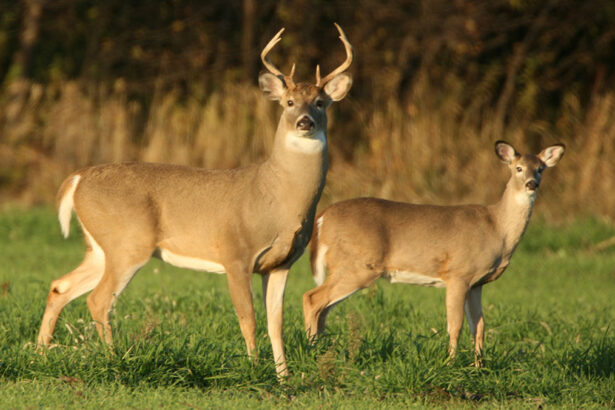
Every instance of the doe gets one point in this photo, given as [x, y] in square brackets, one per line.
[458, 247]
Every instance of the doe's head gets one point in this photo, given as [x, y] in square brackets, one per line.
[305, 104]
[526, 170]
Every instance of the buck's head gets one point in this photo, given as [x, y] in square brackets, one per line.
[305, 104]
[526, 170]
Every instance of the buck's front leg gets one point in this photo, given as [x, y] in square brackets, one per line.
[474, 314]
[240, 286]
[274, 284]
[456, 291]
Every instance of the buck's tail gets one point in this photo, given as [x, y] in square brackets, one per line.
[66, 203]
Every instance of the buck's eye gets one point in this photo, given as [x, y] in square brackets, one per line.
[290, 103]
[319, 103]
[519, 169]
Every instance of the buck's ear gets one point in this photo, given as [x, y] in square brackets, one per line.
[272, 86]
[338, 86]
[506, 152]
[551, 155]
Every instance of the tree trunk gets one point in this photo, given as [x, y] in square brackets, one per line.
[247, 40]
[18, 82]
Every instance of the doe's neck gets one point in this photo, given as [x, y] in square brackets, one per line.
[512, 214]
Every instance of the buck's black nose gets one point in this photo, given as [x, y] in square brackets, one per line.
[305, 123]
[531, 185]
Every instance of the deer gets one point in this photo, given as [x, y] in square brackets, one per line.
[460, 248]
[256, 219]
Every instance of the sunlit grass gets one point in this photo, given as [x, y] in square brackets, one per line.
[549, 335]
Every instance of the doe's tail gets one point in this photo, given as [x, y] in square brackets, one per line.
[318, 250]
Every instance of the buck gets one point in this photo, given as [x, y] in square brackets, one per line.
[459, 247]
[256, 219]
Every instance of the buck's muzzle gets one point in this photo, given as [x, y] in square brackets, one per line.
[305, 123]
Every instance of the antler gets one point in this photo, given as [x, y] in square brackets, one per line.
[269, 65]
[320, 82]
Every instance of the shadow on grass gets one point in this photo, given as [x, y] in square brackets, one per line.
[202, 365]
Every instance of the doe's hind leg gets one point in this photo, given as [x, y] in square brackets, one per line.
[318, 302]
[69, 287]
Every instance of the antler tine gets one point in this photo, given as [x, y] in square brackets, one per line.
[292, 72]
[288, 79]
[269, 65]
[343, 67]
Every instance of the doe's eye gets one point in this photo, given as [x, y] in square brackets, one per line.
[519, 169]
[319, 104]
[290, 103]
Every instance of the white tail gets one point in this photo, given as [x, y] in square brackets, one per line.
[317, 256]
[253, 219]
[457, 247]
[66, 203]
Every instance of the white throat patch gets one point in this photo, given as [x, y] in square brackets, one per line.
[523, 199]
[308, 145]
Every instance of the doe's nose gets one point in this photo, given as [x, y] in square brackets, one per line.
[305, 123]
[531, 185]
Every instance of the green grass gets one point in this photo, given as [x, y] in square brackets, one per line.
[550, 335]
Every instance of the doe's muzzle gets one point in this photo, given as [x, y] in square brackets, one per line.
[531, 185]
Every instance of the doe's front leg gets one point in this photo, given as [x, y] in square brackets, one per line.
[474, 315]
[456, 291]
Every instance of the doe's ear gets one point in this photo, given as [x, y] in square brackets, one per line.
[272, 86]
[338, 86]
[551, 155]
[506, 152]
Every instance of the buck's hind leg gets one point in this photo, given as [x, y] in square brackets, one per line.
[120, 268]
[69, 287]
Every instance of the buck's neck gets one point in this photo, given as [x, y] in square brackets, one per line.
[511, 215]
[299, 166]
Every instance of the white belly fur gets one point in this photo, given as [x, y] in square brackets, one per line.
[413, 278]
[190, 262]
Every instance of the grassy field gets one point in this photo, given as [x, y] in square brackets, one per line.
[550, 335]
